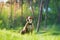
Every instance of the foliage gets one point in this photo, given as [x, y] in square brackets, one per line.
[5, 14]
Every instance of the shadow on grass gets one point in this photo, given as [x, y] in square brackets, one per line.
[55, 33]
[40, 32]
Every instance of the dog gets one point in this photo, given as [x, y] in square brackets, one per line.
[29, 27]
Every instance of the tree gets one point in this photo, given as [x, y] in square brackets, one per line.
[10, 18]
[57, 7]
[21, 8]
[40, 15]
[30, 4]
[1, 7]
[46, 14]
[16, 6]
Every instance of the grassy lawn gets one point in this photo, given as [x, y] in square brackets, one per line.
[9, 35]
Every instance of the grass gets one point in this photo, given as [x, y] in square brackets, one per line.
[10, 35]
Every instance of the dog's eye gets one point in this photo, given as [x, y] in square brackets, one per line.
[30, 18]
[27, 20]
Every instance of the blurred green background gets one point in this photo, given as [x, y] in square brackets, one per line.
[13, 14]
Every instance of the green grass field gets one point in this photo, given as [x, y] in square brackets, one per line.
[10, 35]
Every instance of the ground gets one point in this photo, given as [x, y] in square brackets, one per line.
[10, 35]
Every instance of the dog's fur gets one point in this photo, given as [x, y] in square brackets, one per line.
[28, 26]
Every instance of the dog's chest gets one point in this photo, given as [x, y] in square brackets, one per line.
[29, 27]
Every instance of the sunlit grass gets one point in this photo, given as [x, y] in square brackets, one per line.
[9, 35]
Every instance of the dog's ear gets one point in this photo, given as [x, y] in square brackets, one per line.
[31, 17]
[27, 18]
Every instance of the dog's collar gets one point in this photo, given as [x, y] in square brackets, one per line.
[30, 23]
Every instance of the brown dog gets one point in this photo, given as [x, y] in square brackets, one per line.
[28, 26]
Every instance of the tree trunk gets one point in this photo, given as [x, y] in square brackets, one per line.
[58, 11]
[59, 15]
[30, 3]
[1, 8]
[40, 15]
[32, 10]
[46, 14]
[10, 18]
[15, 16]
[21, 8]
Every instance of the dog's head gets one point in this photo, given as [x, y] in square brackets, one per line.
[29, 19]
